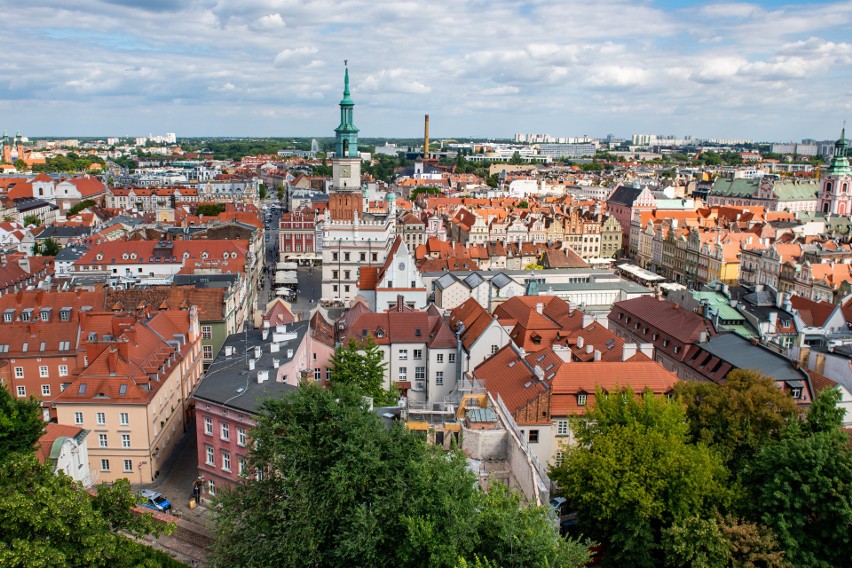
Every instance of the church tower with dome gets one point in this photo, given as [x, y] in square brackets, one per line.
[353, 237]
[835, 196]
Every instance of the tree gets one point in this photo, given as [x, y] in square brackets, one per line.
[516, 160]
[524, 204]
[801, 487]
[46, 520]
[76, 208]
[21, 424]
[21, 165]
[48, 247]
[280, 193]
[635, 473]
[344, 490]
[262, 191]
[824, 415]
[32, 220]
[739, 417]
[210, 209]
[714, 541]
[361, 366]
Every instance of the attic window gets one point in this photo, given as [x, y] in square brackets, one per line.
[133, 256]
[4, 348]
[379, 332]
[122, 390]
[8, 315]
[540, 358]
[45, 314]
[364, 333]
[511, 363]
[26, 314]
[93, 336]
[665, 342]
[64, 345]
[42, 346]
[99, 256]
[233, 255]
[25, 347]
[796, 392]
[125, 256]
[65, 314]
[417, 332]
[82, 389]
[549, 367]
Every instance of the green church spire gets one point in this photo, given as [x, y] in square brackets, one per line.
[346, 135]
[839, 163]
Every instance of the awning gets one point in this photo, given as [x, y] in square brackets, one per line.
[286, 278]
[283, 291]
[403, 384]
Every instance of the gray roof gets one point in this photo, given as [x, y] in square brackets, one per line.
[743, 354]
[229, 382]
[445, 281]
[205, 280]
[63, 232]
[501, 280]
[473, 280]
[71, 253]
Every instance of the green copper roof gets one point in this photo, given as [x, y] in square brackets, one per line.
[839, 163]
[347, 100]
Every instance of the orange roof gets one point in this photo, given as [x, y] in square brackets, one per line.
[584, 378]
[53, 432]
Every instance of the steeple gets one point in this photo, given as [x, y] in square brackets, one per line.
[346, 135]
[839, 163]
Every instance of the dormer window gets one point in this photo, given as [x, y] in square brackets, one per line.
[99, 256]
[26, 315]
[796, 392]
[45, 314]
[65, 314]
[125, 256]
[9, 316]
[581, 399]
[665, 342]
[379, 333]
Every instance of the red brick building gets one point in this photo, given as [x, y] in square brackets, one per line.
[297, 232]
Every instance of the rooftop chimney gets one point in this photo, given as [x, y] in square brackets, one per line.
[628, 351]
[597, 355]
[262, 376]
[539, 307]
[580, 341]
[589, 348]
[251, 364]
[257, 351]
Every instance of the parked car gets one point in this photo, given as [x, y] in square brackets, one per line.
[154, 500]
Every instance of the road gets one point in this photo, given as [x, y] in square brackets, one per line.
[309, 278]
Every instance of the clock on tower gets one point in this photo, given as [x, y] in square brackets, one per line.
[345, 171]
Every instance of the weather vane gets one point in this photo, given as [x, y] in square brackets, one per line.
[346, 63]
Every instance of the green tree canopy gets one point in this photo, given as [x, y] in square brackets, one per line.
[48, 247]
[344, 490]
[361, 366]
[46, 520]
[739, 417]
[801, 487]
[210, 209]
[21, 165]
[76, 208]
[21, 424]
[32, 220]
[639, 474]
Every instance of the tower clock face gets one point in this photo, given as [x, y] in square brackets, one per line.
[345, 171]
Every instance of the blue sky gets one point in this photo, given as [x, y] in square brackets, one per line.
[755, 70]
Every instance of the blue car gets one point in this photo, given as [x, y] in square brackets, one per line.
[154, 500]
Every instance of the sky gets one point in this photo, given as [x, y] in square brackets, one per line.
[764, 71]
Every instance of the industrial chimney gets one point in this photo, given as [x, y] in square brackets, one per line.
[426, 137]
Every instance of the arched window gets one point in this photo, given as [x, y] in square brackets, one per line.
[345, 148]
[825, 207]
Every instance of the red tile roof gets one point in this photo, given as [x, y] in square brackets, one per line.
[583, 378]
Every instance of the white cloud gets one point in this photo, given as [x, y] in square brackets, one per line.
[286, 56]
[270, 22]
[563, 67]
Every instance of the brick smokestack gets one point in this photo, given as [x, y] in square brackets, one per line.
[426, 137]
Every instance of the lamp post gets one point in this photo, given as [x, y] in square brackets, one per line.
[143, 462]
